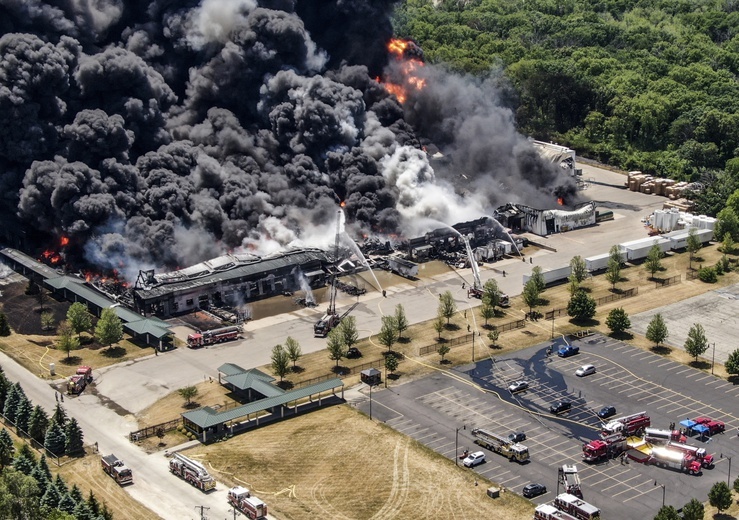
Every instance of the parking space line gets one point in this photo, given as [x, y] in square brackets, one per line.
[622, 483]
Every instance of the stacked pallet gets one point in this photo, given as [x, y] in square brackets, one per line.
[683, 205]
[638, 181]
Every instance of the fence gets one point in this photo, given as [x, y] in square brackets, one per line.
[628, 293]
[151, 431]
[691, 275]
[668, 281]
[550, 315]
[36, 445]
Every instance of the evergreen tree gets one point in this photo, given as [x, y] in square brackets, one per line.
[50, 499]
[92, 501]
[4, 326]
[654, 260]
[11, 402]
[5, 385]
[617, 320]
[109, 328]
[79, 318]
[720, 496]
[38, 424]
[60, 416]
[43, 466]
[401, 320]
[25, 460]
[106, 513]
[657, 330]
[76, 494]
[727, 245]
[7, 449]
[23, 414]
[82, 511]
[42, 480]
[693, 510]
[60, 485]
[447, 305]
[736, 484]
[67, 504]
[74, 438]
[581, 306]
[578, 269]
[391, 363]
[696, 343]
[55, 441]
[538, 277]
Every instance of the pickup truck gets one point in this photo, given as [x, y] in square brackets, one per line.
[568, 350]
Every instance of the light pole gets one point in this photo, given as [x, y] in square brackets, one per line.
[552, 324]
[728, 476]
[236, 513]
[713, 356]
[456, 444]
[663, 492]
[370, 402]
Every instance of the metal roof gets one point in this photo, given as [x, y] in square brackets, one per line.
[252, 270]
[206, 417]
[147, 326]
[29, 263]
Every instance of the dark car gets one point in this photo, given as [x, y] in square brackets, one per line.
[517, 437]
[606, 412]
[353, 353]
[534, 490]
[568, 351]
[560, 407]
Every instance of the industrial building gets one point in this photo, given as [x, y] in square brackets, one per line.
[519, 217]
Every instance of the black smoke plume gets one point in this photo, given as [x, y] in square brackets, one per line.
[161, 133]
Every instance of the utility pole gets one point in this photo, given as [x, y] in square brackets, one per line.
[713, 356]
[202, 511]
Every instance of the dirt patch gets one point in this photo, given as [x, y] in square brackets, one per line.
[365, 471]
[24, 311]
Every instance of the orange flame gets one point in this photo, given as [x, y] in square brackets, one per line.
[397, 46]
[64, 241]
[343, 204]
[409, 80]
[560, 201]
[51, 257]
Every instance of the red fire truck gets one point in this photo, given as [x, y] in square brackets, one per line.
[211, 337]
[607, 448]
[700, 454]
[570, 480]
[657, 437]
[549, 512]
[714, 427]
[627, 425]
[665, 457]
[576, 507]
[77, 383]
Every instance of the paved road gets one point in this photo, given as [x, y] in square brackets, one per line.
[441, 410]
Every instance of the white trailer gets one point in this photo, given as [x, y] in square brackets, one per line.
[597, 262]
[403, 267]
[639, 249]
[552, 276]
[679, 239]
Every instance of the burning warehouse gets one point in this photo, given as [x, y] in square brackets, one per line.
[229, 280]
[544, 222]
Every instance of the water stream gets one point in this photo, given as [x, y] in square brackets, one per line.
[358, 252]
[506, 232]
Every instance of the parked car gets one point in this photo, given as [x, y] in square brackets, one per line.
[534, 490]
[473, 459]
[568, 350]
[353, 353]
[606, 412]
[561, 406]
[585, 370]
[518, 386]
[517, 437]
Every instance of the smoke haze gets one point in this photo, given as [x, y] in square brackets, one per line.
[162, 133]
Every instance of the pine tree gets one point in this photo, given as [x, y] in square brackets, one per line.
[67, 504]
[4, 326]
[25, 460]
[42, 480]
[693, 510]
[38, 424]
[106, 513]
[732, 363]
[11, 402]
[23, 414]
[74, 437]
[60, 485]
[76, 494]
[50, 499]
[7, 449]
[720, 496]
[92, 501]
[581, 306]
[55, 440]
[60, 416]
[82, 511]
[43, 466]
[4, 388]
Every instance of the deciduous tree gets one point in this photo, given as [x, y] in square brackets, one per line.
[439, 324]
[491, 294]
[693, 510]
[696, 343]
[391, 363]
[654, 260]
[335, 346]
[538, 277]
[47, 320]
[66, 342]
[292, 347]
[693, 245]
[348, 331]
[531, 295]
[617, 320]
[667, 513]
[613, 273]
[443, 350]
[657, 330]
[188, 393]
[79, 318]
[578, 269]
[581, 306]
[388, 334]
[447, 305]
[109, 328]
[720, 496]
[401, 320]
[732, 363]
[280, 361]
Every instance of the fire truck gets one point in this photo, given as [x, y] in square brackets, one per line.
[501, 444]
[606, 448]
[714, 427]
[665, 457]
[80, 380]
[549, 512]
[211, 337]
[657, 437]
[115, 467]
[570, 480]
[700, 454]
[192, 472]
[240, 498]
[627, 425]
[576, 507]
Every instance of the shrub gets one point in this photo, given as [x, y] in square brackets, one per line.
[707, 275]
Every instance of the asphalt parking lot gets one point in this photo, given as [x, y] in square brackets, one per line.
[439, 411]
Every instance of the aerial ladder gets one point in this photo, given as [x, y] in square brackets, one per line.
[330, 319]
[477, 289]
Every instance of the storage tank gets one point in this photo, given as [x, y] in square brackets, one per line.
[658, 219]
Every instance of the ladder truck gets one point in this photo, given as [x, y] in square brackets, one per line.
[240, 498]
[500, 444]
[549, 512]
[476, 290]
[606, 448]
[627, 425]
[212, 337]
[192, 472]
[570, 480]
[115, 467]
[330, 319]
[576, 507]
[699, 454]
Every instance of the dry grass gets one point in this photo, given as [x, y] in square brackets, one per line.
[365, 471]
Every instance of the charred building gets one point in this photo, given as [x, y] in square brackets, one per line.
[229, 280]
[519, 217]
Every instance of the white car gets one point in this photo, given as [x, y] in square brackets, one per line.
[585, 370]
[518, 386]
[473, 459]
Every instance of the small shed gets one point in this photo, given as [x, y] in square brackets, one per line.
[371, 376]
